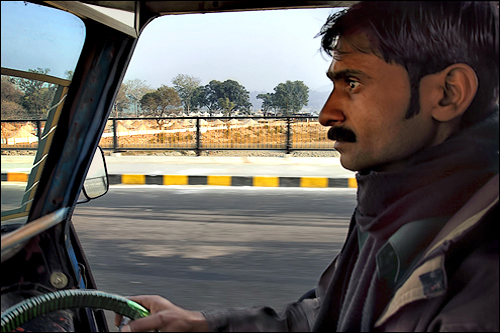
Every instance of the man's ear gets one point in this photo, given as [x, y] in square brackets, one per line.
[459, 85]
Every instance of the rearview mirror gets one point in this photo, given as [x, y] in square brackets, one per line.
[96, 183]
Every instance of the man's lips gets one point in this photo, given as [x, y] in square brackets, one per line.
[341, 134]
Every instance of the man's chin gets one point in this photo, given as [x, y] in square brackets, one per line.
[346, 163]
[352, 164]
[363, 167]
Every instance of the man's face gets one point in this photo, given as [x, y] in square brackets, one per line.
[366, 111]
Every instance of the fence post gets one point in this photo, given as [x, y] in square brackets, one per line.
[115, 139]
[39, 130]
[288, 135]
[198, 137]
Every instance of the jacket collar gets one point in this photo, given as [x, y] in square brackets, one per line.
[429, 280]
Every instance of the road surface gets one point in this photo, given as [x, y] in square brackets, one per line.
[207, 247]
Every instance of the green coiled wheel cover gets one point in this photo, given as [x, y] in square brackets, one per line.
[31, 308]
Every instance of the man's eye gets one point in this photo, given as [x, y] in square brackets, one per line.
[353, 84]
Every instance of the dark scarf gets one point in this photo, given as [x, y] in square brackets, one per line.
[437, 181]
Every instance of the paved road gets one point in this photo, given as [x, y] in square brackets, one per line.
[209, 247]
[11, 194]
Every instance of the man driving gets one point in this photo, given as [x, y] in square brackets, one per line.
[414, 110]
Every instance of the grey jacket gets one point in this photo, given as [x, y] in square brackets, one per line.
[454, 286]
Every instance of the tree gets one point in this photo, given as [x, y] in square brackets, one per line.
[160, 103]
[208, 96]
[185, 85]
[129, 96]
[38, 95]
[199, 98]
[237, 94]
[11, 99]
[213, 96]
[288, 97]
[291, 96]
[267, 101]
[213, 92]
[226, 105]
[121, 102]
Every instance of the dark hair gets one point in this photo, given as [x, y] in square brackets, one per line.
[426, 37]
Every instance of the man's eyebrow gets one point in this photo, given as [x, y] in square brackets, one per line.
[335, 76]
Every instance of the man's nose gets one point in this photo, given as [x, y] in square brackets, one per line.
[331, 113]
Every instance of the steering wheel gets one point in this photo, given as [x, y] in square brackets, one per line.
[31, 308]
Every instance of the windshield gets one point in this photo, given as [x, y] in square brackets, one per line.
[40, 49]
[254, 64]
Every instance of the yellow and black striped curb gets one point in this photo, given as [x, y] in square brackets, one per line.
[315, 182]
[14, 177]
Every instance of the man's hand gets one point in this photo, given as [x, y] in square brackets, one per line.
[165, 317]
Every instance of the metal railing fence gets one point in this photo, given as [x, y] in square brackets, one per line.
[21, 134]
[188, 133]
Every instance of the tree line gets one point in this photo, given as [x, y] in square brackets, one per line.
[30, 99]
[186, 95]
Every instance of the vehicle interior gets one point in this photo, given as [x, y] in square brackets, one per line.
[46, 282]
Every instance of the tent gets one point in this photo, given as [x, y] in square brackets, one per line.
[29, 128]
[143, 129]
[22, 136]
[120, 130]
[186, 122]
[127, 123]
[175, 126]
[250, 122]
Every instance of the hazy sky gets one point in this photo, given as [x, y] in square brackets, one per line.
[259, 49]
[37, 36]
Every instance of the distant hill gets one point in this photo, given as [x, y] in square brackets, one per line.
[256, 103]
[316, 100]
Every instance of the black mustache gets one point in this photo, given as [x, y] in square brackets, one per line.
[341, 134]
